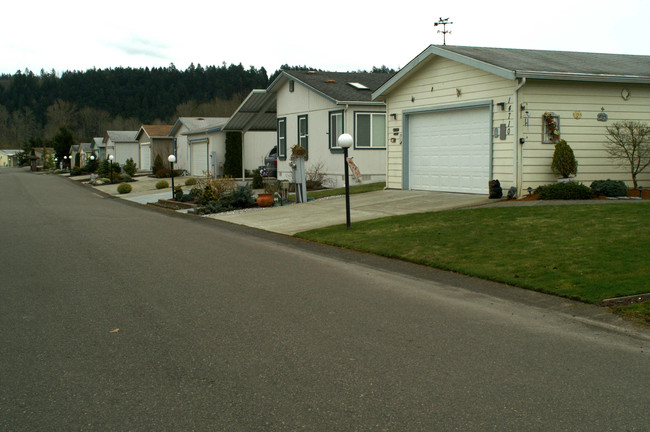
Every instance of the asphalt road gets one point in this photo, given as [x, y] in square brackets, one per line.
[230, 329]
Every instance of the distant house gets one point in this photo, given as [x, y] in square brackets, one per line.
[154, 140]
[122, 145]
[85, 151]
[99, 147]
[41, 153]
[459, 117]
[74, 151]
[195, 139]
[9, 157]
[314, 108]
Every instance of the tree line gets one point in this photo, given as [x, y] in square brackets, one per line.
[34, 107]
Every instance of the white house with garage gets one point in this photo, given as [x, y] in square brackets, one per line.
[122, 145]
[154, 140]
[315, 107]
[194, 142]
[459, 117]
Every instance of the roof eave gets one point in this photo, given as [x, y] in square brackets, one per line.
[441, 52]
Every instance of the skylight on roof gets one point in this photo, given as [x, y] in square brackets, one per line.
[358, 86]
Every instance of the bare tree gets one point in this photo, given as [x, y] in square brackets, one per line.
[61, 113]
[628, 142]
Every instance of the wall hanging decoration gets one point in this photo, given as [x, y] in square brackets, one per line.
[550, 128]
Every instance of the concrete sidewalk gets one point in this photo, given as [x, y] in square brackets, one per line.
[321, 213]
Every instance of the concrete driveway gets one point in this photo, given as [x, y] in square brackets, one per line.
[295, 218]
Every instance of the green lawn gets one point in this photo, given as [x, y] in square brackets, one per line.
[585, 252]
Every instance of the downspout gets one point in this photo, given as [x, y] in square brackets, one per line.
[515, 149]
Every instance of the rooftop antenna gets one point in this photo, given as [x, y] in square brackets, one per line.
[444, 30]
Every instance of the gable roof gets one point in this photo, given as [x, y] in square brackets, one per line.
[535, 64]
[335, 86]
[154, 131]
[98, 142]
[198, 124]
[86, 147]
[120, 136]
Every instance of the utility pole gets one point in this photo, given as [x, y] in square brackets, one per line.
[444, 30]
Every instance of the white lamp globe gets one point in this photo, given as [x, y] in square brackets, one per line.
[171, 158]
[345, 140]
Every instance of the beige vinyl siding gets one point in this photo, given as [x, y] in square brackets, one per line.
[434, 84]
[585, 135]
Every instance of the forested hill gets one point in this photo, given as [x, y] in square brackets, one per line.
[33, 107]
[88, 102]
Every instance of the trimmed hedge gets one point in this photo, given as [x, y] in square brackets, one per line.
[609, 188]
[564, 191]
[162, 184]
[124, 188]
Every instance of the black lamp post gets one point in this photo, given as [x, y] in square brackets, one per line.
[171, 160]
[345, 142]
[110, 160]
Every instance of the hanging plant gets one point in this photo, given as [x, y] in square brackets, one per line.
[297, 151]
[552, 128]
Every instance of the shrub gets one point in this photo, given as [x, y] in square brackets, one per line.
[124, 188]
[564, 161]
[190, 181]
[209, 194]
[130, 167]
[162, 184]
[157, 164]
[564, 191]
[166, 172]
[178, 193]
[609, 188]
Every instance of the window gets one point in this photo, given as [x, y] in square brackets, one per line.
[303, 133]
[282, 138]
[370, 130]
[336, 128]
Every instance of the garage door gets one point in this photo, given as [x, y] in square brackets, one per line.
[145, 156]
[199, 159]
[450, 150]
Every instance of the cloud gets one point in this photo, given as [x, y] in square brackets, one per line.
[136, 45]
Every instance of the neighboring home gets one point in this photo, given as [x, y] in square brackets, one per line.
[314, 108]
[154, 140]
[41, 152]
[122, 145]
[99, 147]
[459, 117]
[85, 151]
[9, 157]
[74, 151]
[256, 119]
[196, 140]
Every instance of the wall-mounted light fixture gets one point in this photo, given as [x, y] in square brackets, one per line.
[394, 116]
[501, 106]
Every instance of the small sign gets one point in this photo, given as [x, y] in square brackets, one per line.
[356, 174]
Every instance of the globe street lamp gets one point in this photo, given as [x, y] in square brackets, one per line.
[110, 160]
[345, 142]
[65, 161]
[171, 160]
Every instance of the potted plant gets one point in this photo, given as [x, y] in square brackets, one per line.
[298, 151]
[564, 161]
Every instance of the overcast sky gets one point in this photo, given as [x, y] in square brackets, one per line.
[332, 35]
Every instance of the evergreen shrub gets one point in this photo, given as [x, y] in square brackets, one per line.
[609, 188]
[162, 184]
[564, 191]
[124, 188]
[564, 161]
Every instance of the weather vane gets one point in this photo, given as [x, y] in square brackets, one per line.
[444, 30]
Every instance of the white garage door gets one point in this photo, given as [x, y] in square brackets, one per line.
[145, 156]
[450, 150]
[199, 159]
[124, 151]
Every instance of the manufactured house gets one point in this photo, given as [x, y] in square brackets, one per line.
[459, 117]
[153, 141]
[9, 157]
[313, 108]
[192, 143]
[122, 145]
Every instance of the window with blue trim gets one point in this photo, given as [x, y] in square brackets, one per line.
[370, 130]
[282, 138]
[336, 128]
